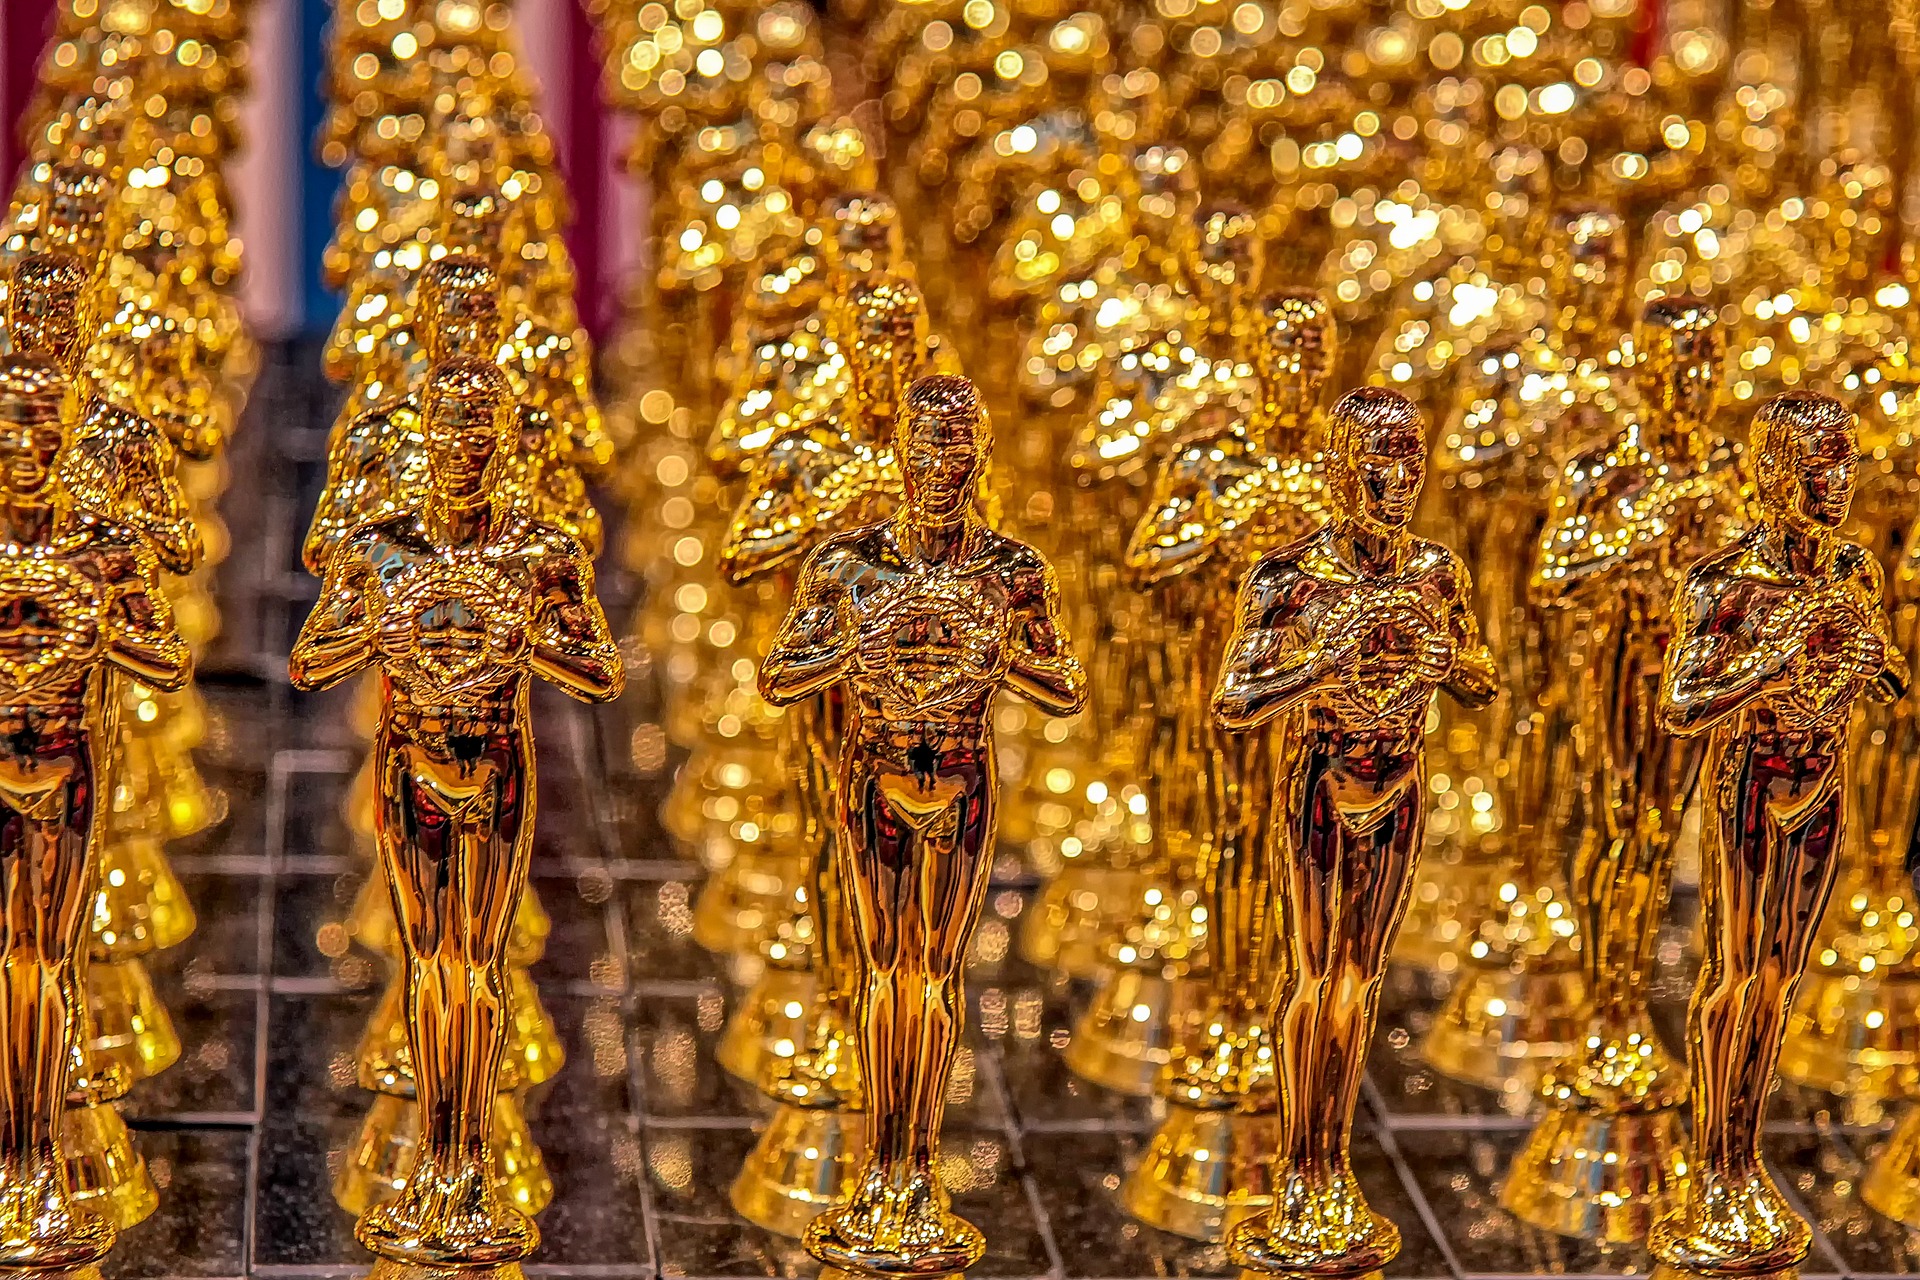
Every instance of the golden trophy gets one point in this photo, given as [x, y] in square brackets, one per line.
[836, 473]
[79, 596]
[458, 600]
[1774, 637]
[1222, 499]
[1626, 518]
[923, 618]
[1518, 1004]
[1342, 638]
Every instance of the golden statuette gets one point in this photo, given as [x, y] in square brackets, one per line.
[923, 617]
[1343, 637]
[1626, 518]
[458, 600]
[78, 596]
[1774, 638]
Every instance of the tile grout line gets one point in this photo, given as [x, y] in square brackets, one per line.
[1010, 1125]
[1390, 1146]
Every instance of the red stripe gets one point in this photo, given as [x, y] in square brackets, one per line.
[24, 27]
[583, 156]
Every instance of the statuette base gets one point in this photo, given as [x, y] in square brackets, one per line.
[804, 1163]
[1325, 1230]
[1203, 1172]
[383, 1151]
[1731, 1227]
[887, 1230]
[769, 1023]
[1597, 1175]
[105, 1170]
[1502, 1029]
[1125, 1038]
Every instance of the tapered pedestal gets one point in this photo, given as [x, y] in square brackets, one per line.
[1203, 1172]
[804, 1162]
[382, 1155]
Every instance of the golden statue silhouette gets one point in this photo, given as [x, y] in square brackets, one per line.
[1774, 638]
[924, 618]
[1347, 633]
[79, 596]
[458, 600]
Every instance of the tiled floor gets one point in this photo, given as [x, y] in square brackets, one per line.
[641, 1132]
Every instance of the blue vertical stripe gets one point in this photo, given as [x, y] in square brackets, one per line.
[319, 185]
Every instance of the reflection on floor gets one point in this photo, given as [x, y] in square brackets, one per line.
[641, 1133]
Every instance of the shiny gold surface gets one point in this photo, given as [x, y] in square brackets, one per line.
[1773, 639]
[1343, 637]
[923, 619]
[1626, 518]
[458, 600]
[82, 608]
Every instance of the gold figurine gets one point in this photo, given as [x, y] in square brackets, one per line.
[923, 618]
[457, 599]
[1346, 633]
[1774, 637]
[1626, 518]
[78, 596]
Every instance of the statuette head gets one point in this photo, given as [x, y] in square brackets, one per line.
[469, 424]
[944, 443]
[1296, 338]
[33, 398]
[1806, 458]
[1678, 349]
[46, 311]
[1376, 458]
[459, 308]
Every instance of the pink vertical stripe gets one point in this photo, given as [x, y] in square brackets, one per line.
[24, 27]
[265, 175]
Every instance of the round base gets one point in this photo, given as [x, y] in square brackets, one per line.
[1891, 1184]
[742, 903]
[1068, 928]
[1595, 1175]
[1326, 1231]
[141, 906]
[43, 1228]
[803, 1164]
[961, 1245]
[1856, 1037]
[105, 1171]
[128, 1029]
[1502, 1029]
[770, 1022]
[432, 1229]
[1125, 1038]
[383, 1152]
[1730, 1227]
[1203, 1172]
[384, 1269]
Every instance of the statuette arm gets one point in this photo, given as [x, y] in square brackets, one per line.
[573, 646]
[1174, 536]
[339, 637]
[816, 645]
[142, 639]
[1266, 670]
[1710, 676]
[1044, 669]
[1474, 680]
